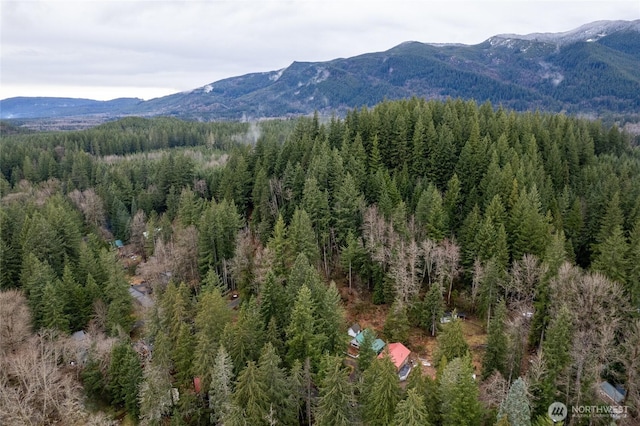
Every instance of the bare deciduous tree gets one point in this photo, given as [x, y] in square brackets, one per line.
[448, 264]
[376, 236]
[403, 270]
[598, 306]
[34, 389]
[15, 319]
[429, 254]
[630, 358]
[158, 265]
[526, 274]
[91, 206]
[493, 390]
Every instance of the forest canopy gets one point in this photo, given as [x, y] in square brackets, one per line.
[529, 222]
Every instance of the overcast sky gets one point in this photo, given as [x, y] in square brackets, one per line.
[109, 49]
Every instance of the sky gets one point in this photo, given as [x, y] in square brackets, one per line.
[147, 48]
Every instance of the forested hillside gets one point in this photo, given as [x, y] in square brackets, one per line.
[591, 70]
[529, 223]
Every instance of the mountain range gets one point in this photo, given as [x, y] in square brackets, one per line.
[593, 69]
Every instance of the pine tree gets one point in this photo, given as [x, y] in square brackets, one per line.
[366, 352]
[336, 399]
[74, 300]
[381, 392]
[433, 308]
[124, 377]
[212, 281]
[302, 237]
[315, 202]
[468, 232]
[491, 243]
[331, 322]
[251, 395]
[53, 315]
[93, 380]
[347, 208]
[352, 256]
[459, 393]
[163, 350]
[297, 383]
[430, 213]
[612, 219]
[277, 389]
[212, 316]
[516, 407]
[491, 281]
[272, 301]
[375, 158]
[452, 203]
[221, 386]
[302, 273]
[556, 343]
[154, 396]
[244, 339]
[633, 275]
[301, 336]
[495, 355]
[473, 159]
[356, 160]
[411, 411]
[556, 352]
[279, 245]
[451, 343]
[396, 326]
[529, 230]
[176, 308]
[274, 335]
[183, 355]
[119, 314]
[611, 256]
[426, 387]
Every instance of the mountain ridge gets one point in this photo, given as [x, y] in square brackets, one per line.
[590, 70]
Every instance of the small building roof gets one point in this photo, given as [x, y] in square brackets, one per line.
[79, 335]
[141, 298]
[398, 353]
[378, 344]
[354, 330]
[360, 336]
[612, 392]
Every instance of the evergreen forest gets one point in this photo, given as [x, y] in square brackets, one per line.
[259, 244]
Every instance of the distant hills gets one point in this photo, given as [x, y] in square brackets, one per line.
[593, 69]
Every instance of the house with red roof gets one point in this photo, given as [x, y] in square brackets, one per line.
[399, 355]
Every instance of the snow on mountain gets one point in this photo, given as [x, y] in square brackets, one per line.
[588, 32]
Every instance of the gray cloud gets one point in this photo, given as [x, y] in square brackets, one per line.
[105, 49]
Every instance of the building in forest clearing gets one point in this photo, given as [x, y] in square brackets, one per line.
[378, 344]
[612, 393]
[354, 330]
[399, 355]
